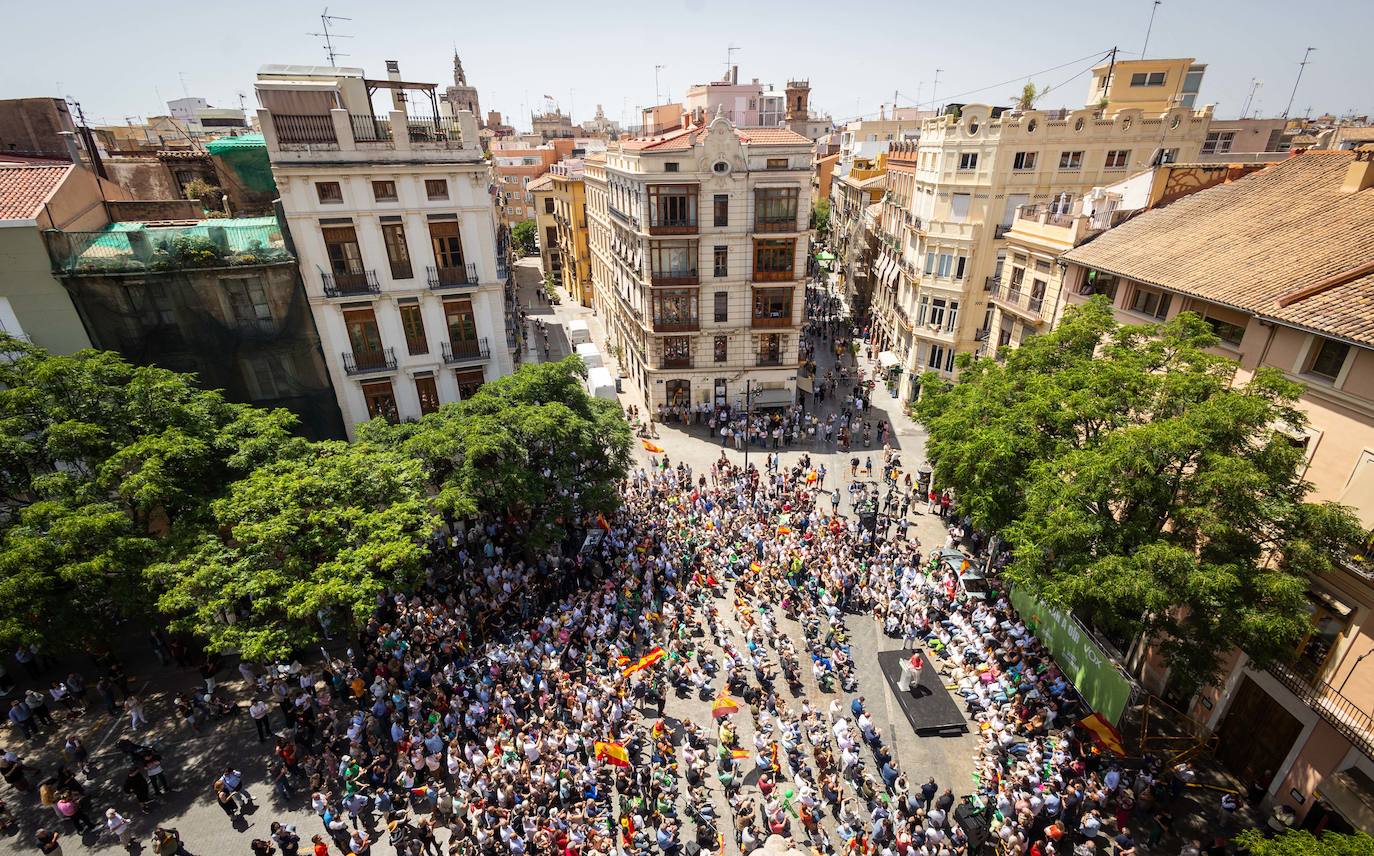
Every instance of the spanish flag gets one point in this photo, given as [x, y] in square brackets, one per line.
[1105, 733]
[612, 753]
[784, 530]
[601, 521]
[723, 706]
[755, 567]
[651, 448]
[739, 754]
[644, 662]
[659, 730]
[812, 476]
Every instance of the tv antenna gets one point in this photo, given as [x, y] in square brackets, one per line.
[1255, 84]
[1302, 65]
[730, 58]
[1148, 27]
[657, 98]
[325, 19]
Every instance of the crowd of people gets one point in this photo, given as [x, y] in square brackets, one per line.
[685, 682]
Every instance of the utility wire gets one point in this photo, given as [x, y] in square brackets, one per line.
[1095, 57]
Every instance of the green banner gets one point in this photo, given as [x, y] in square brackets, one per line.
[1079, 656]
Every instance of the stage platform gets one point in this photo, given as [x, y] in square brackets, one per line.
[928, 706]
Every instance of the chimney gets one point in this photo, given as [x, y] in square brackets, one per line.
[69, 142]
[398, 97]
[1360, 174]
[734, 75]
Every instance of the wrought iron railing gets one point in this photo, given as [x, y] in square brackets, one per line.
[1339, 712]
[365, 362]
[452, 277]
[304, 130]
[465, 350]
[370, 129]
[349, 283]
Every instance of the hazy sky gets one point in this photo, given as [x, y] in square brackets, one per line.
[128, 62]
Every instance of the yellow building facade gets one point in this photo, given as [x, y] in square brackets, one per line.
[570, 218]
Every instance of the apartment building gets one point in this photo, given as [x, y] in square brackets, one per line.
[1281, 263]
[514, 165]
[698, 242]
[546, 227]
[943, 237]
[570, 218]
[396, 234]
[1149, 85]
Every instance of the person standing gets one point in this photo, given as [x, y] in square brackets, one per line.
[22, 718]
[136, 784]
[48, 841]
[134, 705]
[118, 826]
[262, 718]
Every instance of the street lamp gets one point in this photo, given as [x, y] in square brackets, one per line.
[1341, 689]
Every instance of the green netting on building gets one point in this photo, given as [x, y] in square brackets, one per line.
[246, 156]
[133, 247]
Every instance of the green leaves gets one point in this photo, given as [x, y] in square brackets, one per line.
[322, 532]
[1141, 487]
[523, 234]
[1300, 842]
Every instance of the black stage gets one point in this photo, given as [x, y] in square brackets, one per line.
[928, 705]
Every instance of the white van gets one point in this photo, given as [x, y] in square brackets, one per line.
[600, 384]
[590, 354]
[578, 334]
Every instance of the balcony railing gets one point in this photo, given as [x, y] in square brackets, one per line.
[674, 277]
[436, 129]
[631, 221]
[773, 275]
[776, 224]
[351, 283]
[1001, 230]
[1339, 712]
[465, 351]
[675, 362]
[304, 130]
[452, 277]
[370, 129]
[1014, 297]
[765, 359]
[990, 284]
[673, 227]
[766, 321]
[367, 362]
[688, 325]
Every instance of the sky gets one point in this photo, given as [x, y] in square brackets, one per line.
[859, 55]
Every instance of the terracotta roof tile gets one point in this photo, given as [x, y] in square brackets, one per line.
[682, 139]
[1247, 243]
[543, 182]
[772, 137]
[24, 189]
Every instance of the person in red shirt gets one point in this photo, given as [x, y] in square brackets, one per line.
[320, 848]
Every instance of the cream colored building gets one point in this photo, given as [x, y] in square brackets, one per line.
[546, 227]
[1281, 264]
[698, 242]
[1151, 85]
[570, 217]
[395, 231]
[944, 236]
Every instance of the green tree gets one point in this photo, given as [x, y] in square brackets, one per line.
[820, 217]
[523, 234]
[1300, 842]
[1140, 486]
[208, 195]
[325, 531]
[1028, 95]
[104, 468]
[533, 445]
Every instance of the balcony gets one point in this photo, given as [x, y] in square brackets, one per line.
[441, 278]
[773, 276]
[626, 219]
[353, 283]
[1000, 230]
[766, 359]
[776, 224]
[465, 351]
[675, 277]
[1023, 303]
[369, 362]
[316, 130]
[990, 284]
[436, 130]
[370, 129]
[771, 321]
[1339, 712]
[673, 227]
[687, 325]
[675, 362]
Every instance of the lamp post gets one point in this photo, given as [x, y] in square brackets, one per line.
[748, 423]
[1341, 690]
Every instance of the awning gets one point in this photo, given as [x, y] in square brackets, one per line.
[825, 256]
[773, 398]
[1350, 793]
[805, 384]
[888, 360]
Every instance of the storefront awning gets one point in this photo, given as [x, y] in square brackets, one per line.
[773, 398]
[805, 384]
[888, 360]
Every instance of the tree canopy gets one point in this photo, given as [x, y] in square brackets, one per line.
[322, 532]
[1140, 485]
[533, 446]
[104, 468]
[523, 234]
[1300, 842]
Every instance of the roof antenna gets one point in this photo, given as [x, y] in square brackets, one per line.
[329, 37]
[1302, 65]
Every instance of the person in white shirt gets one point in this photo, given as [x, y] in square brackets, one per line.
[118, 826]
[262, 718]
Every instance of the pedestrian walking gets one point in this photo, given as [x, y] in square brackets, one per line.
[136, 785]
[118, 826]
[48, 841]
[233, 783]
[133, 705]
[226, 800]
[262, 718]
